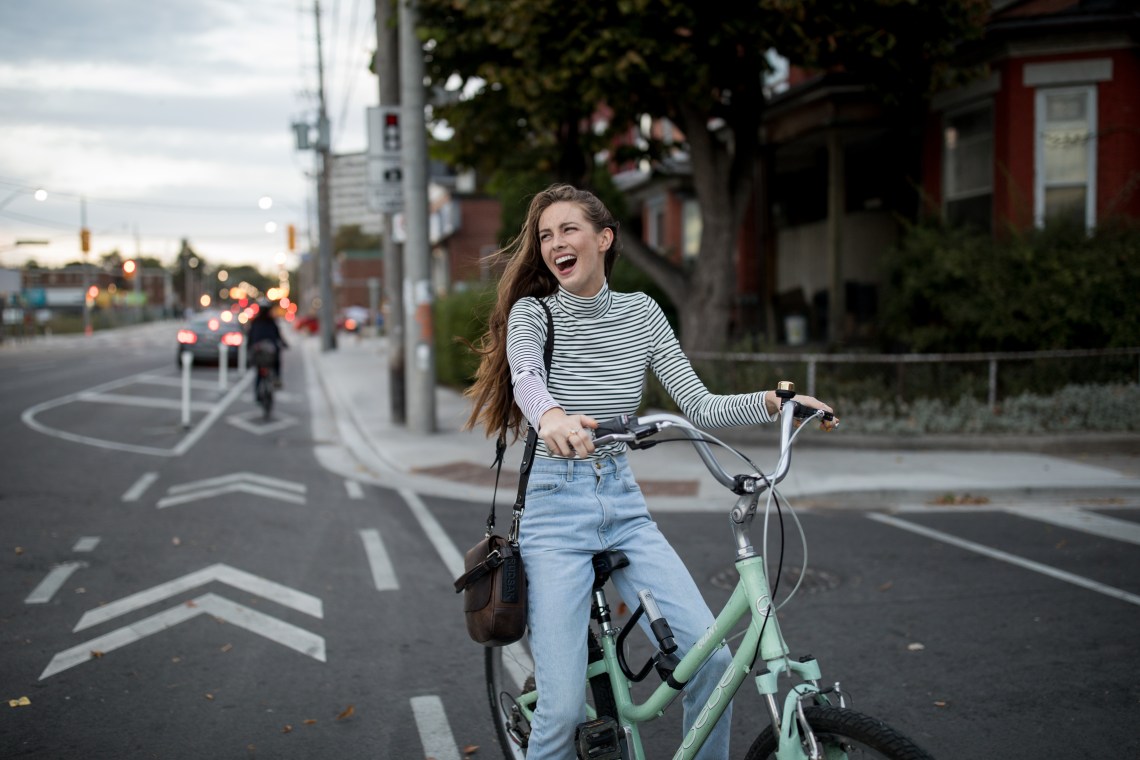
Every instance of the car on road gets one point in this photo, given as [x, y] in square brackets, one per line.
[204, 332]
[307, 324]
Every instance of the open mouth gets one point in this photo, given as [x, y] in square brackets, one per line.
[565, 263]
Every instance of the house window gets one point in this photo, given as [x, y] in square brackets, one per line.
[1065, 152]
[691, 229]
[968, 167]
[655, 223]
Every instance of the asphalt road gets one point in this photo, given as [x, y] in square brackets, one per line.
[214, 592]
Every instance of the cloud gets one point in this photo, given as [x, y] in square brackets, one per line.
[171, 118]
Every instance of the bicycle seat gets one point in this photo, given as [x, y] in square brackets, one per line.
[605, 563]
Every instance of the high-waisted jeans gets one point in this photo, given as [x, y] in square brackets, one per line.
[574, 509]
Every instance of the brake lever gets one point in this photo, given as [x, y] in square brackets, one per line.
[602, 440]
[626, 429]
[804, 412]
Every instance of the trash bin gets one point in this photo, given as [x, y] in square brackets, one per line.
[795, 328]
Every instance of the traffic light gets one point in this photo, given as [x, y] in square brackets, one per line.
[85, 240]
[129, 268]
[291, 235]
[391, 135]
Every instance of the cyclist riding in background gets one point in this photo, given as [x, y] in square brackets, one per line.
[264, 327]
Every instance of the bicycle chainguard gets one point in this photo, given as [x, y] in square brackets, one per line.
[598, 740]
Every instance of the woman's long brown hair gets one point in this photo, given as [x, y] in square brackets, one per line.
[525, 274]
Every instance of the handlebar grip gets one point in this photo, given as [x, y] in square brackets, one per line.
[804, 411]
[614, 425]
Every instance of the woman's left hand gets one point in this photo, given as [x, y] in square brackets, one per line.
[815, 403]
[811, 402]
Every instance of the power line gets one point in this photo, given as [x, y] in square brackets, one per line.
[193, 207]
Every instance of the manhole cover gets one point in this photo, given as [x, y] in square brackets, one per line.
[814, 579]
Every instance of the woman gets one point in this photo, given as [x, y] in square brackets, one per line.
[583, 499]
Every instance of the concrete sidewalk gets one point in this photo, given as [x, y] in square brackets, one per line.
[352, 423]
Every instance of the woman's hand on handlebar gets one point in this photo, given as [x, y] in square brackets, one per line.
[567, 435]
[810, 405]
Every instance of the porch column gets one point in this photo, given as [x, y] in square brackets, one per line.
[836, 203]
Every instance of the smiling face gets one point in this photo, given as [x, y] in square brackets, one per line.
[572, 249]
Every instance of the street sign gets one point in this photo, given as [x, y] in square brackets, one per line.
[385, 173]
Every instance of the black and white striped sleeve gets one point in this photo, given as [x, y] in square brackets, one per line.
[526, 338]
[702, 407]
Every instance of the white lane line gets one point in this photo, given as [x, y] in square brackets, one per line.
[383, 574]
[289, 597]
[209, 493]
[28, 416]
[238, 477]
[443, 544]
[139, 488]
[286, 634]
[1087, 522]
[176, 382]
[1027, 564]
[354, 489]
[86, 544]
[219, 409]
[435, 731]
[54, 580]
[154, 403]
[516, 658]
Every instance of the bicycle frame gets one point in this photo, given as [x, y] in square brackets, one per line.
[762, 640]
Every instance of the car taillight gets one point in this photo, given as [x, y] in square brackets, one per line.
[232, 339]
[187, 337]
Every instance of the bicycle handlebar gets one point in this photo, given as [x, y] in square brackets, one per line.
[632, 430]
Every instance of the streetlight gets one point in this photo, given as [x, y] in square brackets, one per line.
[40, 195]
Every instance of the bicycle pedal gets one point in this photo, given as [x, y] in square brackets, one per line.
[597, 740]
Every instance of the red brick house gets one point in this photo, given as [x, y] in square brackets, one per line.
[1052, 130]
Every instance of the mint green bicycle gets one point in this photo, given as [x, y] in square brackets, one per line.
[810, 722]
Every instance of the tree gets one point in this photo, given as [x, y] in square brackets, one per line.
[547, 66]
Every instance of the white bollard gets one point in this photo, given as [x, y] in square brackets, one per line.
[187, 360]
[223, 365]
[242, 358]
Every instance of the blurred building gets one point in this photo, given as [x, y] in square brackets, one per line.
[1052, 132]
[463, 230]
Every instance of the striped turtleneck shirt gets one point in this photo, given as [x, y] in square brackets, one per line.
[602, 347]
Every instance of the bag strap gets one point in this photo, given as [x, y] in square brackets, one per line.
[531, 444]
[495, 558]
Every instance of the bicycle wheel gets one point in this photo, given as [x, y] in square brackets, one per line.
[265, 394]
[845, 734]
[509, 672]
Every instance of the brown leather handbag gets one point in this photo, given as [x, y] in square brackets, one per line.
[494, 584]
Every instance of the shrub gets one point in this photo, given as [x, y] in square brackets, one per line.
[460, 320]
[948, 290]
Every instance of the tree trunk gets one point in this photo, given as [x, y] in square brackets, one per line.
[722, 165]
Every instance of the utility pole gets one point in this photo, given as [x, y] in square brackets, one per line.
[418, 321]
[85, 249]
[324, 214]
[388, 72]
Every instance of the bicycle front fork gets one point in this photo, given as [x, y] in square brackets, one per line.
[789, 728]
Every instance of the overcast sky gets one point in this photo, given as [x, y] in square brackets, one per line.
[171, 118]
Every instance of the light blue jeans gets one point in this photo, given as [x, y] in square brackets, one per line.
[574, 509]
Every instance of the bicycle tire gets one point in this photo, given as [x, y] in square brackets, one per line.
[853, 734]
[265, 395]
[500, 688]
